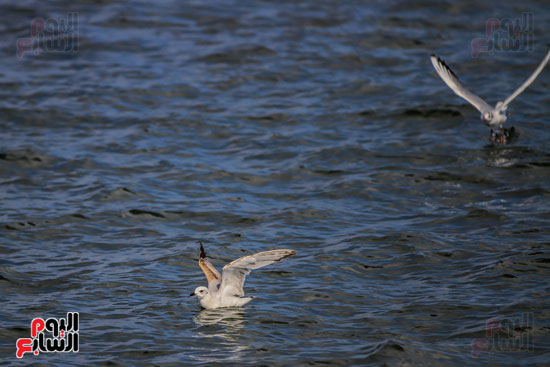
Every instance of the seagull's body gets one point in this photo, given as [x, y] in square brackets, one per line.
[226, 290]
[491, 116]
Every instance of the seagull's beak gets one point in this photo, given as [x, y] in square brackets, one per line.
[192, 294]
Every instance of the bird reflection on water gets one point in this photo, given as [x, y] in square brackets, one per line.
[233, 317]
[225, 327]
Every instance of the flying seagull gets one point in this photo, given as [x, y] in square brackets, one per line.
[490, 116]
[226, 290]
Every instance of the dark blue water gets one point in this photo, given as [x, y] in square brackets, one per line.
[318, 126]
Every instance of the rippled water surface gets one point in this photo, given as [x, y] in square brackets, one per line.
[319, 126]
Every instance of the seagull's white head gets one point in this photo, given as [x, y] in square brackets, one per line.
[487, 117]
[200, 292]
[496, 116]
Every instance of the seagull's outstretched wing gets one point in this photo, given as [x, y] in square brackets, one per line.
[234, 273]
[530, 80]
[208, 269]
[452, 82]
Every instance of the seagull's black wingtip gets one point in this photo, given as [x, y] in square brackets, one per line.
[202, 253]
[437, 58]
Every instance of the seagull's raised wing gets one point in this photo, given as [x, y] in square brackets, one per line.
[530, 80]
[208, 269]
[234, 273]
[452, 82]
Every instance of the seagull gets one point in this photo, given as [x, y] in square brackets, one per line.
[226, 290]
[489, 115]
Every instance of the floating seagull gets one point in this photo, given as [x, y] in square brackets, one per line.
[490, 116]
[226, 290]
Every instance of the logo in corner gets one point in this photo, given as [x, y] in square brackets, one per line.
[64, 336]
[506, 34]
